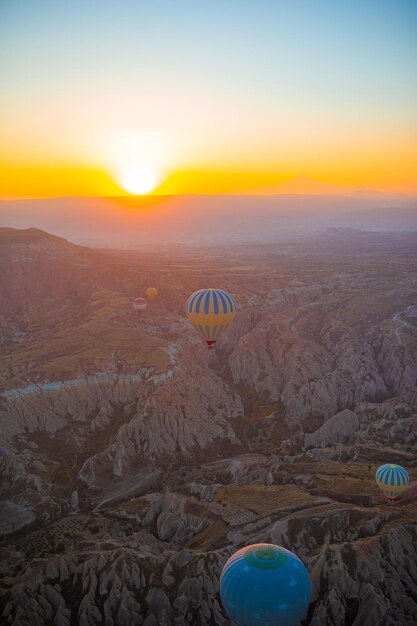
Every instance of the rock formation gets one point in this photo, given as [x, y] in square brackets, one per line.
[134, 461]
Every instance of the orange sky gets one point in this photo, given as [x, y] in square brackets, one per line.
[202, 105]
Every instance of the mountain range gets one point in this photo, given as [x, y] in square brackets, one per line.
[137, 221]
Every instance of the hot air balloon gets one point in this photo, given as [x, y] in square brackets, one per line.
[210, 311]
[139, 304]
[151, 292]
[265, 585]
[392, 480]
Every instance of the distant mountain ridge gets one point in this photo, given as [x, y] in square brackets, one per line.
[135, 221]
[27, 235]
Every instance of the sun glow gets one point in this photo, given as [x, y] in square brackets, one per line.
[139, 181]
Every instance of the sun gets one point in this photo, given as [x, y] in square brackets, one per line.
[139, 181]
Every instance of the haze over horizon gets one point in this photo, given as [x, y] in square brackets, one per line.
[135, 221]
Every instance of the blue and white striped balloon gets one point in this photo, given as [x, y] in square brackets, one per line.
[392, 479]
[210, 311]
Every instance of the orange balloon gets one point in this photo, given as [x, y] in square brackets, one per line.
[151, 292]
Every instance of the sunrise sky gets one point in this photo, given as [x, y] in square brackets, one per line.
[229, 96]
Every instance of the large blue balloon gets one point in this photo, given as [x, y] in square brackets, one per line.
[392, 479]
[265, 585]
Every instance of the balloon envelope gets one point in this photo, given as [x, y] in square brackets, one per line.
[392, 479]
[139, 304]
[210, 311]
[266, 585]
[151, 292]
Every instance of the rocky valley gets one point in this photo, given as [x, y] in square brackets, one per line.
[134, 461]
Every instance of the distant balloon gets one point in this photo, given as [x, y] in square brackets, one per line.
[139, 304]
[265, 585]
[151, 292]
[210, 311]
[392, 479]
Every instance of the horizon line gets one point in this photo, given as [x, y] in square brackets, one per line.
[349, 194]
